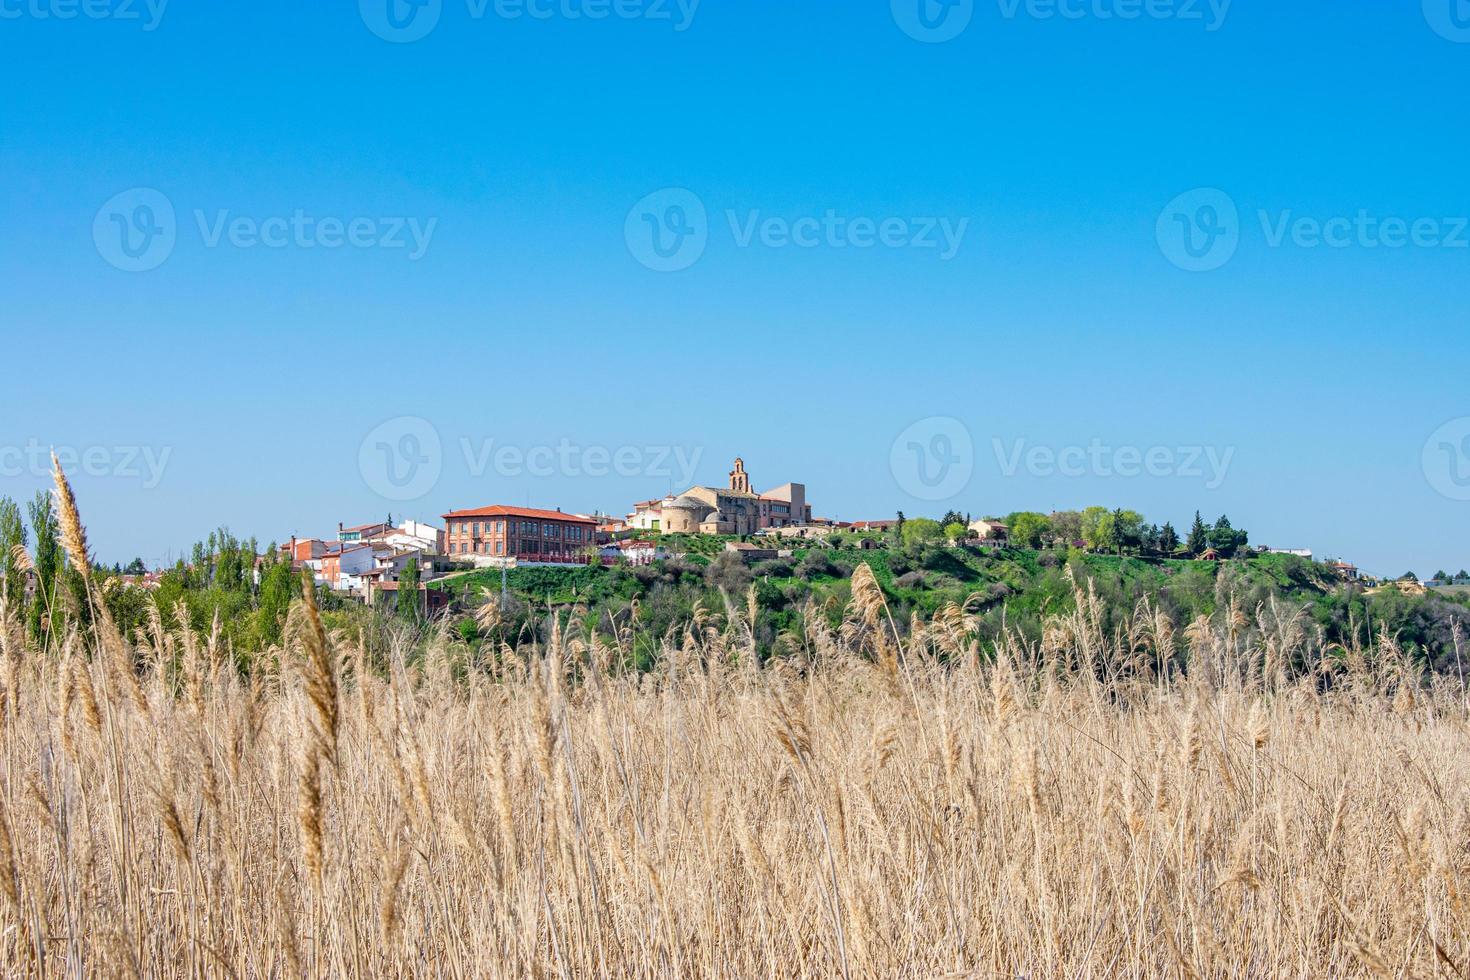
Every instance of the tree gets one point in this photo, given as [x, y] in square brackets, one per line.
[1408, 577]
[1168, 540]
[1099, 529]
[136, 567]
[47, 562]
[12, 536]
[955, 530]
[278, 586]
[1127, 530]
[1441, 576]
[1028, 529]
[920, 531]
[1199, 538]
[1066, 527]
[408, 590]
[1226, 539]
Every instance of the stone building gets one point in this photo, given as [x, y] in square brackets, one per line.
[734, 509]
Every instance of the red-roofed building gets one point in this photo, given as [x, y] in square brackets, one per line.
[524, 533]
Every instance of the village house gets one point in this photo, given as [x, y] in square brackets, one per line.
[411, 535]
[632, 553]
[878, 527]
[523, 533]
[385, 593]
[992, 534]
[353, 535]
[342, 571]
[301, 550]
[751, 552]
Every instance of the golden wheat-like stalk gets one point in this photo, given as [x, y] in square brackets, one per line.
[73, 534]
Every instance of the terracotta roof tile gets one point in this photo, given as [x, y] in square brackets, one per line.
[528, 512]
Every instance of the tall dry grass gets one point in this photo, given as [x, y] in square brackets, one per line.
[871, 807]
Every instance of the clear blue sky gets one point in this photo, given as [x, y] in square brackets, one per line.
[530, 320]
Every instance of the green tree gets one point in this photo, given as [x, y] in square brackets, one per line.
[48, 564]
[1127, 530]
[954, 517]
[1226, 539]
[1028, 529]
[12, 536]
[408, 590]
[278, 586]
[1199, 538]
[955, 531]
[920, 531]
[1099, 529]
[136, 567]
[1168, 540]
[1066, 527]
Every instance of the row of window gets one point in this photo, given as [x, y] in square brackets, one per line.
[526, 547]
[528, 529]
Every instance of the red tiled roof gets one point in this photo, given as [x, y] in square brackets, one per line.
[502, 511]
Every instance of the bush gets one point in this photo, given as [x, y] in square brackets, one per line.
[910, 580]
[775, 568]
[729, 574]
[815, 564]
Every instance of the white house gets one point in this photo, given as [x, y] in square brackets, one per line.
[991, 532]
[633, 552]
[648, 514]
[414, 535]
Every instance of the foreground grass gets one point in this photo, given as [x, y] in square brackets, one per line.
[1081, 808]
[827, 818]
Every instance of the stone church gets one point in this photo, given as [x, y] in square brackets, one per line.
[714, 510]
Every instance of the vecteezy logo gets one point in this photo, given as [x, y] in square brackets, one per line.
[668, 230]
[933, 459]
[1447, 459]
[135, 231]
[1449, 18]
[400, 21]
[933, 21]
[401, 459]
[1199, 231]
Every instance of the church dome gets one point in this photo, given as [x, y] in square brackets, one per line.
[689, 503]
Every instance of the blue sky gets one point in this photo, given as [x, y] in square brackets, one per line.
[263, 382]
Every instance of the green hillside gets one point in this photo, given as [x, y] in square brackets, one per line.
[1008, 588]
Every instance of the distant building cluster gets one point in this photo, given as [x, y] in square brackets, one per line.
[369, 560]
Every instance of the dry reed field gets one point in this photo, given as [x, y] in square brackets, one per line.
[1093, 805]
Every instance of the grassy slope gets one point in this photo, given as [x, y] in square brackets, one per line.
[952, 575]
